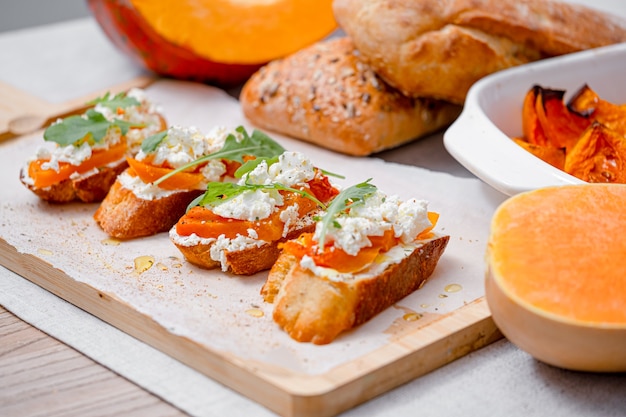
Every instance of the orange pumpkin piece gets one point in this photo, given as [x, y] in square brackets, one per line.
[561, 128]
[206, 224]
[45, 177]
[553, 156]
[555, 283]
[531, 128]
[599, 156]
[339, 260]
[235, 31]
[150, 173]
[587, 102]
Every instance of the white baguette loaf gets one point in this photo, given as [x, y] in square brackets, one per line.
[440, 48]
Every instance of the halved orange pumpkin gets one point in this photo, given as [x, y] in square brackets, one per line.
[555, 283]
[217, 41]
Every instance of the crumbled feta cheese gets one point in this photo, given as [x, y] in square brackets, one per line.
[378, 214]
[250, 205]
[289, 217]
[292, 168]
[224, 245]
[142, 190]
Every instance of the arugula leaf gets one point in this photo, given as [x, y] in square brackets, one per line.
[219, 192]
[73, 130]
[150, 143]
[259, 145]
[351, 196]
[120, 100]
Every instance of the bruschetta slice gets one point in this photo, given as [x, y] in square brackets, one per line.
[367, 252]
[88, 151]
[172, 168]
[238, 226]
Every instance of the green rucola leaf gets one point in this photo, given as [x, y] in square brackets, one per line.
[351, 196]
[73, 130]
[219, 192]
[258, 145]
[150, 143]
[120, 100]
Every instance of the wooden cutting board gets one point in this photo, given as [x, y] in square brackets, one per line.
[218, 324]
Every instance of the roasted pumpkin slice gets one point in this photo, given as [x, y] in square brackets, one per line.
[588, 103]
[599, 156]
[553, 156]
[561, 127]
[531, 128]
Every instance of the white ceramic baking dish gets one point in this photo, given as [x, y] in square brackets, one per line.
[480, 138]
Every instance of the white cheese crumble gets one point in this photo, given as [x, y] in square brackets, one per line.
[146, 114]
[289, 217]
[185, 144]
[292, 168]
[250, 205]
[181, 146]
[224, 245]
[378, 214]
[142, 190]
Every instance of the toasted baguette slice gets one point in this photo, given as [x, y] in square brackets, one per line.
[440, 48]
[90, 187]
[315, 309]
[248, 261]
[326, 95]
[125, 216]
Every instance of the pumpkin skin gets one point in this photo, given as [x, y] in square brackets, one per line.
[130, 32]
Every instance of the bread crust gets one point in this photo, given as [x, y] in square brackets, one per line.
[439, 49]
[123, 215]
[325, 94]
[315, 309]
[89, 188]
[244, 262]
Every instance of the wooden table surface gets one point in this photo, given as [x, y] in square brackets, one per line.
[30, 365]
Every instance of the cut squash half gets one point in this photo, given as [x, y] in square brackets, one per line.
[556, 281]
[239, 31]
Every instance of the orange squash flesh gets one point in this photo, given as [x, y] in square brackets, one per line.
[553, 156]
[341, 261]
[150, 173]
[206, 224]
[547, 121]
[587, 102]
[239, 31]
[560, 251]
[599, 156]
[45, 177]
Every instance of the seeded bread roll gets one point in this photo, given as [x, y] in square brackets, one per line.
[316, 309]
[326, 95]
[440, 48]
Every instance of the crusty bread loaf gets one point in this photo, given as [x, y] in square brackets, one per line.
[243, 262]
[314, 309]
[326, 95]
[90, 187]
[125, 216]
[440, 48]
